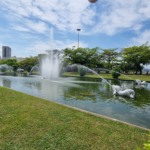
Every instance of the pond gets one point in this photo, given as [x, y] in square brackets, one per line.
[93, 95]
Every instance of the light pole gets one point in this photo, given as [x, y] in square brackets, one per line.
[78, 36]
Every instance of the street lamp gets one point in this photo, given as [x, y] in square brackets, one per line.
[78, 36]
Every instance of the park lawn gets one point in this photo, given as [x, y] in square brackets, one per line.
[28, 122]
[109, 76]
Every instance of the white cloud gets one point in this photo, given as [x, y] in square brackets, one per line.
[142, 38]
[34, 19]
[20, 28]
[123, 14]
[37, 26]
[68, 15]
[64, 15]
[40, 47]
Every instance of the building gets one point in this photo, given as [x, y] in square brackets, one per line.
[6, 52]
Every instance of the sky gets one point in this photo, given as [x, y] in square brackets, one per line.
[30, 27]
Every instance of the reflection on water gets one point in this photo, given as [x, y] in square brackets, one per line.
[90, 94]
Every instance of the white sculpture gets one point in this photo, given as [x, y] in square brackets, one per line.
[139, 82]
[117, 90]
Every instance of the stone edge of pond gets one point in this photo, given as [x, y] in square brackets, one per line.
[100, 78]
[103, 116]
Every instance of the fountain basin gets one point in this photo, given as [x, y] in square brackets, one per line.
[100, 100]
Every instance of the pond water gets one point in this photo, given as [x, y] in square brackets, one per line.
[93, 95]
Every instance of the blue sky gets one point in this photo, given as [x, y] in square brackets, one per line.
[30, 27]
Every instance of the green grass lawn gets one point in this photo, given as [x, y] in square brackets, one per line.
[109, 76]
[27, 122]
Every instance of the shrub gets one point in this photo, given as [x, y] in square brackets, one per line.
[115, 74]
[82, 71]
[3, 69]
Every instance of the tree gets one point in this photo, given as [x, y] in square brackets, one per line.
[137, 55]
[28, 63]
[84, 56]
[125, 67]
[75, 56]
[108, 56]
[10, 62]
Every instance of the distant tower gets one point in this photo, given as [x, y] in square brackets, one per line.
[6, 52]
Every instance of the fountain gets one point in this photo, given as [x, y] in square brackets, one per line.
[4, 68]
[50, 65]
[94, 95]
[90, 94]
[34, 68]
[117, 90]
[139, 82]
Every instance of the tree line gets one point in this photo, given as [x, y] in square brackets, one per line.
[127, 59]
[25, 64]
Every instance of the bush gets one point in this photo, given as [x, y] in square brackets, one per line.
[115, 74]
[82, 71]
[3, 69]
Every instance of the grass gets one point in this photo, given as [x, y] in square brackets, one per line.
[27, 122]
[109, 76]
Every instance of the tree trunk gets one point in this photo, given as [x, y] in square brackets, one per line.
[138, 68]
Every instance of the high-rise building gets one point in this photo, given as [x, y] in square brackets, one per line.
[6, 52]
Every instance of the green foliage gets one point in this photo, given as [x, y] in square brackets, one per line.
[115, 73]
[2, 62]
[84, 56]
[29, 68]
[3, 69]
[109, 57]
[10, 62]
[82, 71]
[126, 67]
[15, 67]
[137, 55]
[27, 63]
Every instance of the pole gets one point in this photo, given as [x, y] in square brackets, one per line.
[78, 36]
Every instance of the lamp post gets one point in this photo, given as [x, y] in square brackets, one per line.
[78, 36]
